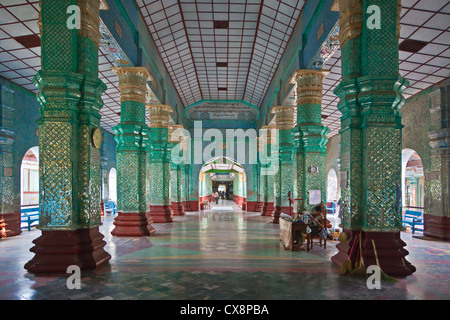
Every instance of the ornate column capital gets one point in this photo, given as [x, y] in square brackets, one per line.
[174, 136]
[309, 85]
[350, 20]
[90, 19]
[132, 83]
[284, 117]
[159, 115]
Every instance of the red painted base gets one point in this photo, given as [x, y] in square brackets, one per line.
[193, 205]
[267, 209]
[10, 225]
[132, 225]
[277, 212]
[259, 206]
[102, 208]
[436, 227]
[160, 214]
[251, 206]
[390, 250]
[56, 250]
[177, 209]
[187, 206]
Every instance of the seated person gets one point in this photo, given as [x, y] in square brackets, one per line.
[299, 236]
[318, 222]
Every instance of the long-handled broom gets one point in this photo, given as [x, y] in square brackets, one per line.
[347, 266]
[384, 276]
[361, 270]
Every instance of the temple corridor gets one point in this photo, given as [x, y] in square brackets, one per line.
[219, 254]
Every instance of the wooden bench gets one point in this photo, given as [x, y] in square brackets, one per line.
[110, 207]
[29, 215]
[414, 219]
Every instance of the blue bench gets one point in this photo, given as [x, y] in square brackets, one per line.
[331, 207]
[414, 219]
[110, 208]
[29, 216]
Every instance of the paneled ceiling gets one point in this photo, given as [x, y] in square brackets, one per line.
[229, 50]
[221, 50]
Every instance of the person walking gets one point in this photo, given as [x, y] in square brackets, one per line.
[216, 196]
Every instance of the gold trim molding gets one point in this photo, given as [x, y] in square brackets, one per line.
[159, 115]
[310, 85]
[132, 83]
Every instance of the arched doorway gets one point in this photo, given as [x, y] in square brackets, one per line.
[29, 188]
[332, 186]
[413, 180]
[112, 185]
[29, 178]
[226, 177]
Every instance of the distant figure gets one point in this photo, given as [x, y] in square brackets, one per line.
[216, 196]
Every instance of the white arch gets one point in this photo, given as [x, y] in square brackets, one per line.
[34, 167]
[112, 185]
[406, 154]
[332, 185]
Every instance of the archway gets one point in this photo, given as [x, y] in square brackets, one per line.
[332, 186]
[226, 177]
[112, 185]
[413, 194]
[29, 188]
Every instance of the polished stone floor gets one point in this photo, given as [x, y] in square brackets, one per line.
[219, 254]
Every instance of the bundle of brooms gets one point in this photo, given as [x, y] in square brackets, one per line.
[360, 270]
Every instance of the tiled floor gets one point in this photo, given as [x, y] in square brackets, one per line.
[219, 255]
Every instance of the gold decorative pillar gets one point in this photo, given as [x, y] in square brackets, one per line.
[160, 152]
[310, 138]
[284, 174]
[131, 135]
[176, 170]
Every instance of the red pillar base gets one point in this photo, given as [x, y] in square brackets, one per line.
[436, 227]
[160, 214]
[178, 209]
[56, 250]
[251, 206]
[277, 212]
[10, 225]
[267, 209]
[132, 225]
[193, 205]
[389, 247]
[259, 206]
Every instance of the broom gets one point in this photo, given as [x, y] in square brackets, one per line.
[361, 270]
[384, 276]
[346, 266]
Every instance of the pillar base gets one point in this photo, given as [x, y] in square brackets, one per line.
[193, 205]
[56, 250]
[178, 209]
[160, 214]
[132, 225]
[436, 227]
[10, 225]
[277, 212]
[251, 206]
[389, 247]
[259, 206]
[267, 209]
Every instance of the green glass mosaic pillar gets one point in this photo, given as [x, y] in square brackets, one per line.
[176, 171]
[69, 141]
[310, 139]
[268, 167]
[188, 204]
[260, 187]
[9, 204]
[437, 182]
[131, 135]
[160, 154]
[371, 97]
[284, 175]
